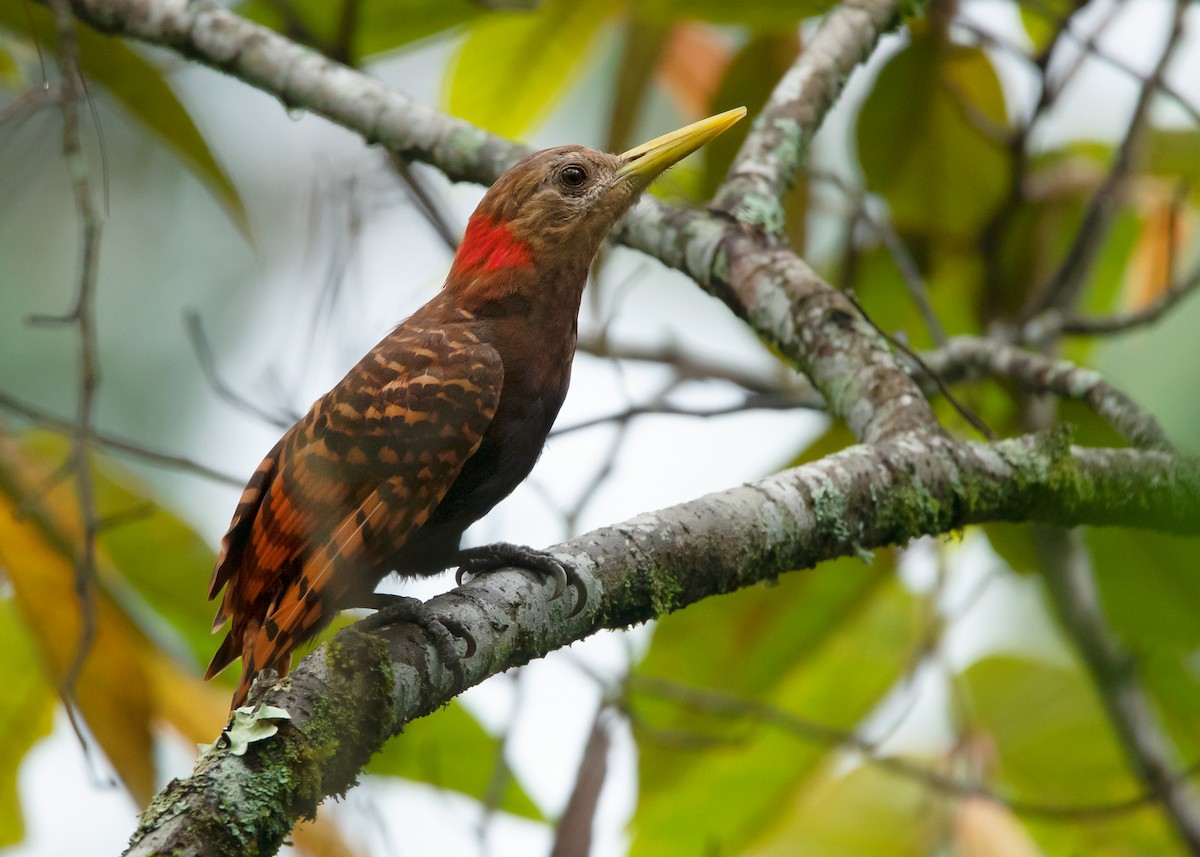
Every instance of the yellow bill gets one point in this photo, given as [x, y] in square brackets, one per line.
[648, 160]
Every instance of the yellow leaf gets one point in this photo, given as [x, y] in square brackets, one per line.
[983, 828]
[112, 691]
[514, 66]
[1163, 235]
[26, 715]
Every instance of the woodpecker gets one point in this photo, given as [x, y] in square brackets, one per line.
[440, 421]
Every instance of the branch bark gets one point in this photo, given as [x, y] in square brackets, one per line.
[777, 146]
[350, 696]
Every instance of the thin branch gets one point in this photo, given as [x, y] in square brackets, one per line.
[991, 238]
[573, 838]
[1051, 322]
[82, 316]
[117, 443]
[692, 367]
[1063, 289]
[425, 202]
[894, 244]
[1090, 48]
[1073, 589]
[208, 366]
[966, 357]
[30, 101]
[841, 351]
[724, 705]
[777, 145]
[750, 402]
[942, 387]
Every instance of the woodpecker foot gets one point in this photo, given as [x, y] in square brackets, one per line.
[489, 558]
[392, 609]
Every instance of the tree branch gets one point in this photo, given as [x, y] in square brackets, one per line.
[969, 356]
[350, 696]
[1073, 590]
[777, 146]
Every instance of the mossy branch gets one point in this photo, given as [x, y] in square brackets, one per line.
[347, 698]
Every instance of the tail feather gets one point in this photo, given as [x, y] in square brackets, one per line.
[228, 652]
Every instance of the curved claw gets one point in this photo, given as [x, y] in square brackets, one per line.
[481, 560]
[555, 570]
[581, 594]
[441, 630]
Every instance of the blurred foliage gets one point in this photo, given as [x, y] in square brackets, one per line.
[152, 638]
[739, 703]
[122, 73]
[822, 646]
[930, 138]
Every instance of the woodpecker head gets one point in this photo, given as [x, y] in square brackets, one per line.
[549, 213]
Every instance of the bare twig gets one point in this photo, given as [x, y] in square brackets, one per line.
[1051, 323]
[116, 443]
[724, 705]
[894, 244]
[691, 367]
[1089, 45]
[31, 101]
[573, 838]
[967, 356]
[991, 238]
[751, 402]
[1073, 590]
[1063, 289]
[423, 200]
[932, 374]
[82, 317]
[208, 366]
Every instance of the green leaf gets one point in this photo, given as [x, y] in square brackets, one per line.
[1040, 234]
[514, 66]
[386, 24]
[1150, 590]
[1174, 154]
[756, 14]
[824, 646]
[141, 88]
[451, 750]
[26, 715]
[377, 26]
[866, 812]
[924, 142]
[1054, 746]
[952, 281]
[10, 70]
[1041, 19]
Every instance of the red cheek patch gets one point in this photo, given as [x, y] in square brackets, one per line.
[490, 245]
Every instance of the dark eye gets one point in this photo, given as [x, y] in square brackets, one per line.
[573, 175]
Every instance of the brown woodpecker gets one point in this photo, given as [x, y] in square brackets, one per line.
[440, 421]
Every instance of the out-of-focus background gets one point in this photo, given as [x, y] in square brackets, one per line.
[250, 254]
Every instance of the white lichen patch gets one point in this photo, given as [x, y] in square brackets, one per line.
[250, 724]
